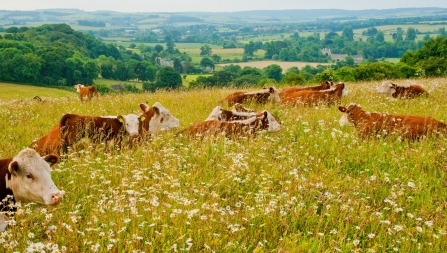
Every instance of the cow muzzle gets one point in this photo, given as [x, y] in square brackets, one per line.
[55, 199]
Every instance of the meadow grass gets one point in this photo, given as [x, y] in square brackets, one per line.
[312, 187]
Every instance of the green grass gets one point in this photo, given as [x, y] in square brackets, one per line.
[312, 187]
[19, 92]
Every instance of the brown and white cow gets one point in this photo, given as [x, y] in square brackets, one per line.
[324, 85]
[221, 114]
[394, 91]
[26, 178]
[380, 124]
[240, 108]
[157, 118]
[262, 121]
[105, 128]
[259, 96]
[51, 143]
[314, 98]
[86, 92]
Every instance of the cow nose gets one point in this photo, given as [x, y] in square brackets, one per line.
[134, 134]
[56, 198]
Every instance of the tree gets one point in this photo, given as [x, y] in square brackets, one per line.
[273, 71]
[216, 57]
[205, 50]
[206, 62]
[168, 78]
[380, 37]
[158, 48]
[411, 34]
[170, 46]
[132, 45]
[348, 33]
[250, 48]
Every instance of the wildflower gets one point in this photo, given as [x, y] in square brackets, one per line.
[95, 247]
[356, 242]
[371, 235]
[411, 184]
[419, 229]
[333, 231]
[429, 223]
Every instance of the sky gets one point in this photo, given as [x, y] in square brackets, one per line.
[213, 5]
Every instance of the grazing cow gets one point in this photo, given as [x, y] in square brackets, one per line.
[221, 114]
[323, 86]
[259, 96]
[314, 98]
[26, 178]
[106, 128]
[51, 143]
[394, 91]
[88, 91]
[156, 119]
[378, 124]
[262, 121]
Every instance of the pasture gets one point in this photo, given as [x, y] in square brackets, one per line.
[311, 187]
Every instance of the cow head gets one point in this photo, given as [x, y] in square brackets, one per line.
[268, 122]
[158, 118]
[347, 117]
[78, 87]
[326, 84]
[131, 123]
[387, 88]
[215, 114]
[274, 94]
[30, 178]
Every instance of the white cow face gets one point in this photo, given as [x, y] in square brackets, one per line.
[344, 92]
[387, 88]
[215, 114]
[274, 95]
[344, 120]
[268, 119]
[30, 178]
[161, 120]
[131, 123]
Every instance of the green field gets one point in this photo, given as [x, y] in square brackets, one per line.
[19, 92]
[311, 187]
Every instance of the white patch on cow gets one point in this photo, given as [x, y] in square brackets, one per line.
[215, 114]
[162, 121]
[274, 96]
[344, 121]
[386, 88]
[243, 114]
[344, 92]
[245, 121]
[108, 117]
[257, 92]
[274, 126]
[32, 181]
[131, 124]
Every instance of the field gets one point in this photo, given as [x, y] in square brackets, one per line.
[311, 187]
[15, 92]
[284, 65]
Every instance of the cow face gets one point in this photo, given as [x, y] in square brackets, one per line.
[78, 87]
[269, 122]
[131, 123]
[161, 120]
[347, 119]
[215, 114]
[387, 88]
[30, 178]
[274, 94]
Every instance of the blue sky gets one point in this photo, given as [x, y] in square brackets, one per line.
[213, 5]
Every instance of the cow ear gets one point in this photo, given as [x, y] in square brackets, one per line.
[142, 118]
[51, 159]
[342, 109]
[13, 168]
[157, 110]
[120, 118]
[144, 107]
[265, 114]
[271, 90]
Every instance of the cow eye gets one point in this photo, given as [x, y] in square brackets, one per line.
[161, 120]
[28, 175]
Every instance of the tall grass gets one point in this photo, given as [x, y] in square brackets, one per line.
[312, 187]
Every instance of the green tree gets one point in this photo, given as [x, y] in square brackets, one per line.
[158, 48]
[206, 62]
[250, 48]
[380, 37]
[168, 78]
[411, 34]
[205, 50]
[348, 33]
[273, 71]
[216, 57]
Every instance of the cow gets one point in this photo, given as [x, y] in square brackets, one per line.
[156, 119]
[394, 91]
[87, 92]
[221, 114]
[314, 98]
[26, 178]
[262, 121]
[240, 108]
[51, 143]
[324, 85]
[104, 128]
[259, 96]
[380, 124]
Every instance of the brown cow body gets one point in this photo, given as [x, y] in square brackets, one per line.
[260, 96]
[262, 121]
[314, 98]
[86, 92]
[405, 126]
[323, 86]
[221, 114]
[395, 91]
[51, 143]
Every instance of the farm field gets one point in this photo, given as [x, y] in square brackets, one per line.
[314, 186]
[284, 65]
[15, 92]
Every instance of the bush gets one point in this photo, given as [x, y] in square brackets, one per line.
[294, 79]
[103, 88]
[168, 78]
[131, 88]
[149, 86]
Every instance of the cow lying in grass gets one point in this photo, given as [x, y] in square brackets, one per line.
[221, 114]
[86, 92]
[26, 178]
[394, 91]
[323, 86]
[382, 125]
[262, 121]
[313, 98]
[51, 143]
[259, 96]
